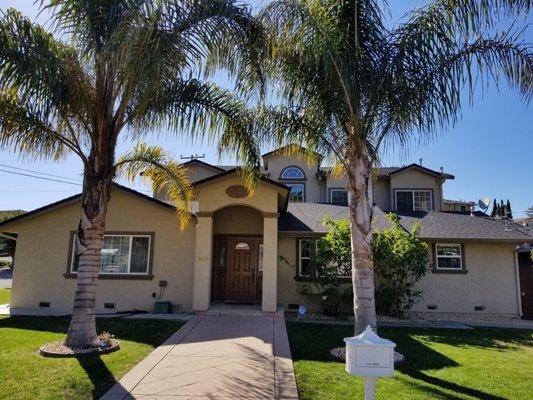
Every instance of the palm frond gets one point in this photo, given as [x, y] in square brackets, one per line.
[163, 173]
[26, 131]
[364, 85]
[45, 72]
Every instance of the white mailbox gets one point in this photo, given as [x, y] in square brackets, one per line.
[369, 355]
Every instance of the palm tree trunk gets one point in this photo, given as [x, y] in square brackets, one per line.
[360, 209]
[89, 243]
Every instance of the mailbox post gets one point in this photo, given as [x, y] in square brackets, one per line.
[369, 356]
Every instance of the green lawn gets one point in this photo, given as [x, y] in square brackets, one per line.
[441, 364]
[24, 374]
[5, 296]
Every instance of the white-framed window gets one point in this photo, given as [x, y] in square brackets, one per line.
[338, 197]
[297, 194]
[449, 256]
[121, 254]
[292, 173]
[304, 256]
[414, 200]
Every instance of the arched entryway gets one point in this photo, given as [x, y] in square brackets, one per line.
[237, 271]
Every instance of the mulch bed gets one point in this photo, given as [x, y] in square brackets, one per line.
[58, 349]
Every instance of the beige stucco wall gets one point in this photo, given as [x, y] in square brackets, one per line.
[382, 194]
[278, 162]
[43, 248]
[238, 220]
[212, 196]
[195, 172]
[490, 282]
[414, 179]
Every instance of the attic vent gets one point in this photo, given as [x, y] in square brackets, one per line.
[44, 304]
[432, 307]
[479, 308]
[109, 305]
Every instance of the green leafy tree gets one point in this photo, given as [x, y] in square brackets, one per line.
[400, 261]
[503, 211]
[352, 86]
[115, 68]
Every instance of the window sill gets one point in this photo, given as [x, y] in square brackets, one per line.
[115, 277]
[449, 271]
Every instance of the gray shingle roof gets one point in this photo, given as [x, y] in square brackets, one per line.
[307, 218]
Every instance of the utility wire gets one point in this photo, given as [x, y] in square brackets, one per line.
[39, 177]
[40, 173]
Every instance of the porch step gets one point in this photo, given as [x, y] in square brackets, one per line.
[241, 310]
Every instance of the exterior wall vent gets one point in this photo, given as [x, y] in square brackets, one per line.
[44, 304]
[109, 305]
[432, 307]
[479, 308]
[293, 306]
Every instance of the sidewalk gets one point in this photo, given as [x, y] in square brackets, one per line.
[216, 357]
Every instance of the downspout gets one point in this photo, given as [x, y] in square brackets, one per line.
[517, 278]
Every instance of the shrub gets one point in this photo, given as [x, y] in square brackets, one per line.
[400, 261]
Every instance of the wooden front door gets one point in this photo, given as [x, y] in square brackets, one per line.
[525, 266]
[241, 270]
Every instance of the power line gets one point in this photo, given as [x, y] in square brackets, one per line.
[39, 177]
[40, 173]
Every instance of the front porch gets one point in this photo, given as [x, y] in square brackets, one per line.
[236, 244]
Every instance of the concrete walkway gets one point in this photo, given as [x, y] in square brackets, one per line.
[215, 357]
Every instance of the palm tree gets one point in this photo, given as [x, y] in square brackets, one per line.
[352, 85]
[117, 68]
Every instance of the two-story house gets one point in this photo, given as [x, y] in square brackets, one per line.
[243, 247]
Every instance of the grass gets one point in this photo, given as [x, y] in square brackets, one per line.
[5, 296]
[441, 364]
[24, 374]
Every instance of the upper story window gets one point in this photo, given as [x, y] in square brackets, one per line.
[414, 200]
[297, 194]
[338, 197]
[292, 173]
[121, 254]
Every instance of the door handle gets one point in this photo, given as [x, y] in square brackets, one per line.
[523, 294]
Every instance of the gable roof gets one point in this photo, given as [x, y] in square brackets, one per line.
[306, 219]
[419, 167]
[234, 170]
[204, 164]
[75, 197]
[293, 146]
[386, 172]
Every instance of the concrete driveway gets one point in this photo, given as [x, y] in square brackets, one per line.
[216, 357]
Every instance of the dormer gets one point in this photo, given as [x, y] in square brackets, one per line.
[415, 188]
[297, 168]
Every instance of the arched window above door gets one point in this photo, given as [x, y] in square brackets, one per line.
[292, 173]
[242, 246]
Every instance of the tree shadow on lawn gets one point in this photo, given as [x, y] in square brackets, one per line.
[101, 378]
[314, 341]
[147, 331]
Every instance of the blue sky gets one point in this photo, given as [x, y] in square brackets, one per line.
[490, 151]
